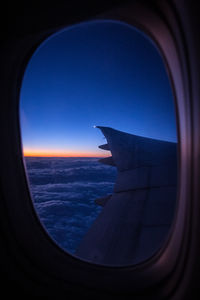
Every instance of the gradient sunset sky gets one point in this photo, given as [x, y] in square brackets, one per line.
[101, 73]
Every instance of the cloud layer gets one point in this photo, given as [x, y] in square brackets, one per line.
[63, 191]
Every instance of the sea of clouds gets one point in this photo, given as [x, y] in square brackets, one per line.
[63, 192]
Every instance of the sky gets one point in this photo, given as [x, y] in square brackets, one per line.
[99, 73]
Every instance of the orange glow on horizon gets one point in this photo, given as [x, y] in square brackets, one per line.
[58, 153]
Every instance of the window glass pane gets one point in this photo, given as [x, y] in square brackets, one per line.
[99, 141]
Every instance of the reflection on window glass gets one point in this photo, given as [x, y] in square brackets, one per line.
[99, 140]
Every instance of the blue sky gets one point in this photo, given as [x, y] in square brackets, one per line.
[97, 73]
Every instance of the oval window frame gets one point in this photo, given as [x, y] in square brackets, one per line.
[40, 250]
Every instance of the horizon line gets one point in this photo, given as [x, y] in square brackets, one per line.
[61, 154]
[65, 156]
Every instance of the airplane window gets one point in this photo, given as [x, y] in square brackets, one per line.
[99, 140]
